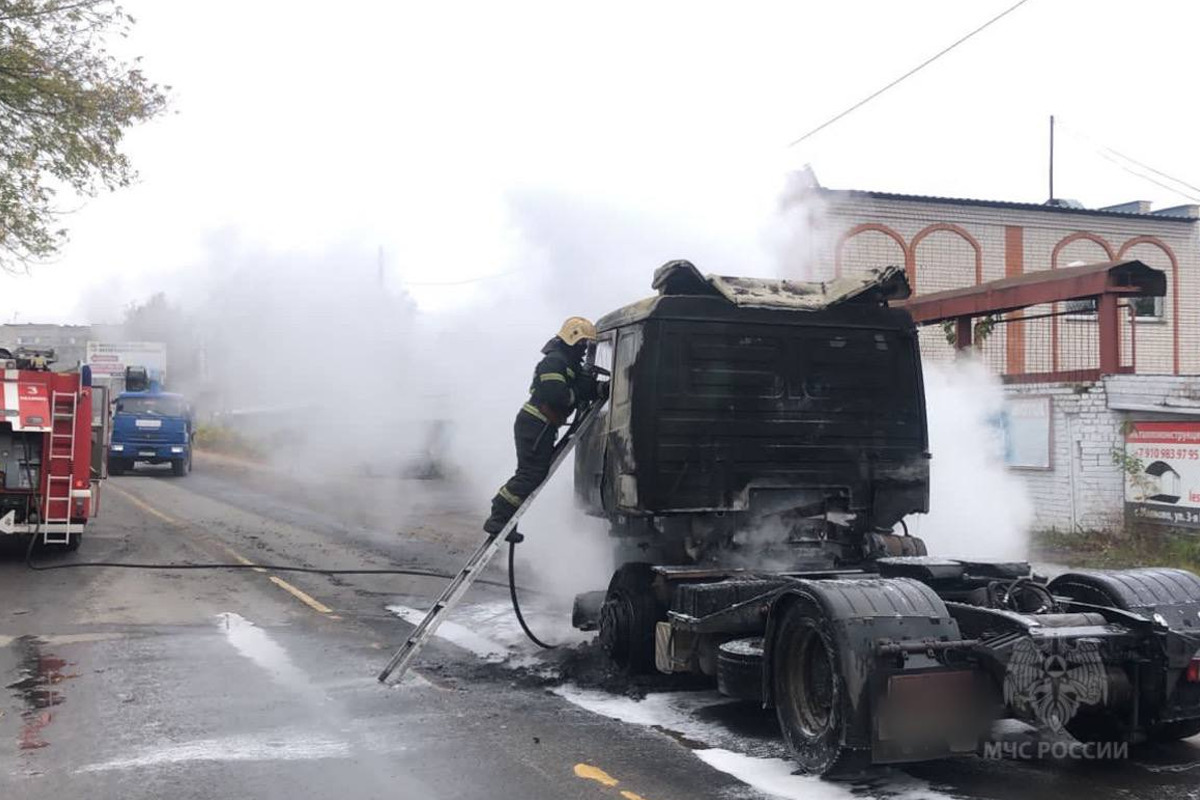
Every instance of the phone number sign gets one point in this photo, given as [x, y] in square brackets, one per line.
[1162, 473]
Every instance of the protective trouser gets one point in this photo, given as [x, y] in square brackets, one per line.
[534, 438]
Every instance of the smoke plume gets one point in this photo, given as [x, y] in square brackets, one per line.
[977, 507]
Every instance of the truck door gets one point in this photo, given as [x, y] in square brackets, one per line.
[620, 467]
[101, 435]
[589, 452]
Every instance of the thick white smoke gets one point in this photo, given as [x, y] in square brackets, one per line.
[977, 507]
[326, 358]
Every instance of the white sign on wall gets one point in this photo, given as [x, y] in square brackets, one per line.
[1162, 473]
[109, 359]
[1026, 426]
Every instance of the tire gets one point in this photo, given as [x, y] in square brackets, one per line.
[630, 612]
[1099, 726]
[181, 467]
[1174, 731]
[808, 689]
[740, 669]
[118, 466]
[73, 542]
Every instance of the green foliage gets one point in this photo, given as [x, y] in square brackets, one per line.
[65, 104]
[219, 439]
[979, 333]
[1133, 467]
[950, 332]
[1121, 550]
[159, 320]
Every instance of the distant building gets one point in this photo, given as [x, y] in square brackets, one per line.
[69, 341]
[1080, 456]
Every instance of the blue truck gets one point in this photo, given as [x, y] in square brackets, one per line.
[150, 426]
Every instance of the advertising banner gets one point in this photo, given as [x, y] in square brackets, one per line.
[1162, 473]
[109, 359]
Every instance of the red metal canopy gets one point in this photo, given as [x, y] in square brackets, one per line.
[1037, 288]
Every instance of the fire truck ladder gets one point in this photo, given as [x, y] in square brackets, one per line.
[454, 592]
[57, 527]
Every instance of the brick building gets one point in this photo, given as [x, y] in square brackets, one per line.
[1041, 352]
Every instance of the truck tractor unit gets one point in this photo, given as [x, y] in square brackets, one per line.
[762, 443]
[49, 486]
[150, 426]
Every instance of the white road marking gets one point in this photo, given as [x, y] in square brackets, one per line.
[269, 746]
[253, 643]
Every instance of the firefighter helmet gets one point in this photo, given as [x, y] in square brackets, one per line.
[575, 329]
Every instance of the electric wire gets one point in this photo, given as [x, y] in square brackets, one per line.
[911, 72]
[1081, 134]
[1110, 155]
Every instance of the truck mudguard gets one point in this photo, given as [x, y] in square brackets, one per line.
[1172, 594]
[862, 612]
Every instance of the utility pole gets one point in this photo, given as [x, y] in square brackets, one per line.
[1051, 158]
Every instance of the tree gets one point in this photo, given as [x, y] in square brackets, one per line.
[159, 320]
[65, 104]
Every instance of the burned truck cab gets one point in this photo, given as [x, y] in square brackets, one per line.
[758, 422]
[759, 443]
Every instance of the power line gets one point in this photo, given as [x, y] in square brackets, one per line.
[1135, 173]
[1102, 149]
[911, 72]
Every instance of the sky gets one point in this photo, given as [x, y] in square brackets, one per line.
[422, 134]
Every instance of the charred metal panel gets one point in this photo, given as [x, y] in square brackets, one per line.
[718, 407]
[734, 408]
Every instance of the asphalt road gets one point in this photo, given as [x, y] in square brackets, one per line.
[213, 684]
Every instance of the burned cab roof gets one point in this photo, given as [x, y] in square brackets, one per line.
[681, 285]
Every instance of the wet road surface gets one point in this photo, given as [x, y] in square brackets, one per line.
[203, 684]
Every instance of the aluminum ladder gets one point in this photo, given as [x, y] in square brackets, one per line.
[478, 562]
[63, 413]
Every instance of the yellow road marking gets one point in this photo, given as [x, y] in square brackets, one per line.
[307, 599]
[591, 773]
[238, 556]
[588, 772]
[144, 506]
[303, 597]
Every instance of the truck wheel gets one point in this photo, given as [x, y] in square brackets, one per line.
[1098, 726]
[181, 467]
[116, 467]
[73, 542]
[808, 688]
[628, 618]
[1174, 731]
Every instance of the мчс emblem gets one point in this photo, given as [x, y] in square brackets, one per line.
[1054, 680]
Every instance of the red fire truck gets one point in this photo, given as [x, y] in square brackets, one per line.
[49, 480]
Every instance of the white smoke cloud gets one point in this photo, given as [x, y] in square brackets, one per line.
[977, 508]
[341, 372]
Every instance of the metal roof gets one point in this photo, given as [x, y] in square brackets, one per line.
[1130, 277]
[680, 281]
[1004, 204]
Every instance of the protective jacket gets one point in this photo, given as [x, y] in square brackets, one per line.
[557, 387]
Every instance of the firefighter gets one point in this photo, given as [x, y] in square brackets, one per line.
[559, 387]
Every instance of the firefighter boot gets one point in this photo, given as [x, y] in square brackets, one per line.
[502, 511]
